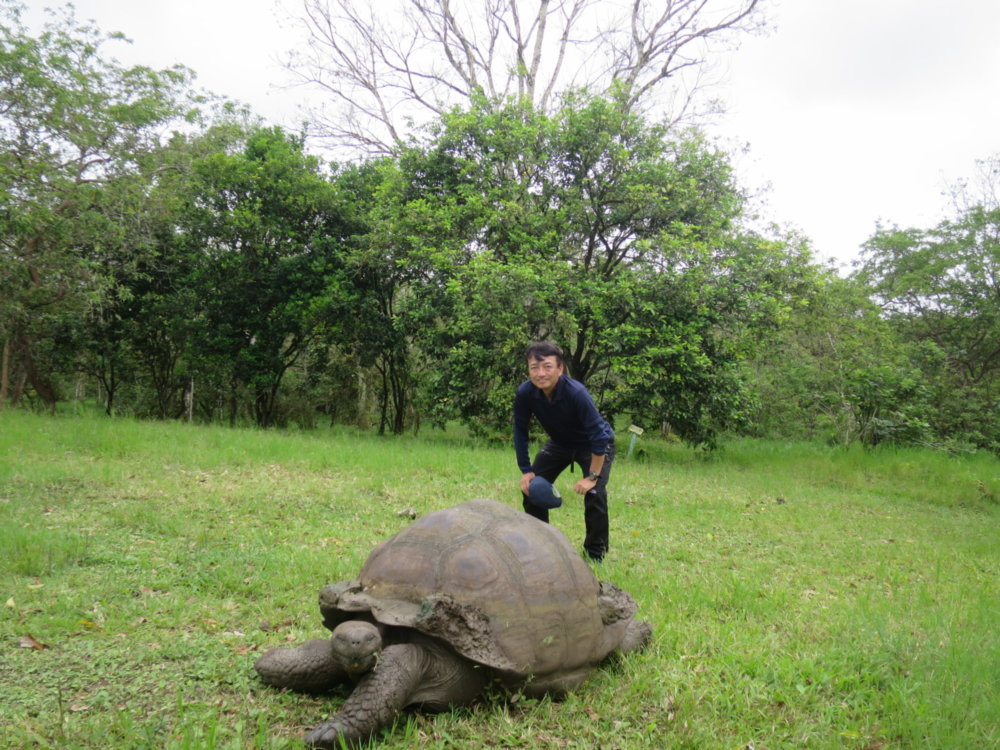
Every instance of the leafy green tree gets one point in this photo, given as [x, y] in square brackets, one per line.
[363, 362]
[689, 326]
[270, 228]
[134, 335]
[836, 370]
[398, 270]
[129, 258]
[595, 229]
[157, 296]
[939, 289]
[73, 125]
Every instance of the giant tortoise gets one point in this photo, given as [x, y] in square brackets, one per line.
[461, 597]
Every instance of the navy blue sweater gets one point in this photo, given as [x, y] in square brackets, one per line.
[570, 418]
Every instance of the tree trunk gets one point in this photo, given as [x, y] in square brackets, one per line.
[383, 401]
[39, 383]
[15, 397]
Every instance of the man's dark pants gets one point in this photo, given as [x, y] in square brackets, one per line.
[550, 462]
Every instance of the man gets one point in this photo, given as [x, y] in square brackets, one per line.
[577, 434]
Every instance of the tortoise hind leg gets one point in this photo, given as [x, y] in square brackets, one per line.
[556, 686]
[637, 636]
[622, 632]
[308, 668]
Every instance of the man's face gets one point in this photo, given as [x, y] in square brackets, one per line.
[545, 372]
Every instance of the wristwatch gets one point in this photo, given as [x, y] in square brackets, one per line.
[593, 475]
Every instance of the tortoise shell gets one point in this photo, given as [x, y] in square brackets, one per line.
[497, 585]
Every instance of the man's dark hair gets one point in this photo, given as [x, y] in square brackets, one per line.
[542, 349]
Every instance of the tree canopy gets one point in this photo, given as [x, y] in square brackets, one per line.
[939, 287]
[171, 262]
[601, 231]
[77, 132]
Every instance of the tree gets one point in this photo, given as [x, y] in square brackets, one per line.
[385, 64]
[270, 228]
[73, 123]
[837, 371]
[137, 333]
[691, 324]
[380, 269]
[593, 228]
[941, 288]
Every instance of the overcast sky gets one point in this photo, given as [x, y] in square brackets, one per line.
[864, 110]
[854, 111]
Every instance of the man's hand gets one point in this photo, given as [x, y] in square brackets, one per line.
[586, 484]
[526, 480]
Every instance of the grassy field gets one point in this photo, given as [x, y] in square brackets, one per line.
[800, 596]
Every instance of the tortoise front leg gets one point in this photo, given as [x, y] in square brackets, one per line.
[378, 698]
[309, 668]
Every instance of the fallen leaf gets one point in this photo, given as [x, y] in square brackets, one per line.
[10, 602]
[594, 716]
[670, 705]
[28, 641]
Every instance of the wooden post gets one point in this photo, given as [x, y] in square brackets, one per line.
[189, 400]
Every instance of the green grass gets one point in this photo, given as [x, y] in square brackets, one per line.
[801, 596]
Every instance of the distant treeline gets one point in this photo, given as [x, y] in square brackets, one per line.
[173, 264]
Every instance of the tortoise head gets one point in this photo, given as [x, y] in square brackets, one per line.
[355, 645]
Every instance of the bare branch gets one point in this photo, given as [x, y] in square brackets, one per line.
[385, 64]
[569, 22]
[445, 30]
[662, 48]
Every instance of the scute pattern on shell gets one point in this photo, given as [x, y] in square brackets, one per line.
[501, 587]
